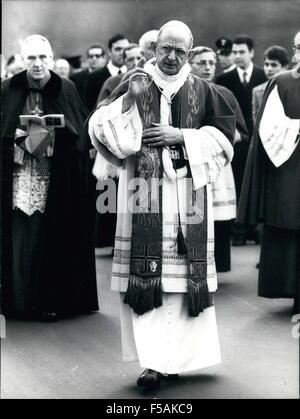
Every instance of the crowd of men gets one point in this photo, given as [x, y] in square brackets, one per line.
[153, 109]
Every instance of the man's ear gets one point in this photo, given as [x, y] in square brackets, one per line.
[252, 53]
[154, 46]
[191, 53]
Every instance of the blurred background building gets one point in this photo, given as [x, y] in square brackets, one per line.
[73, 25]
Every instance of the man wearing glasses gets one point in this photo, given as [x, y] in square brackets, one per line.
[171, 132]
[115, 66]
[271, 187]
[296, 48]
[96, 58]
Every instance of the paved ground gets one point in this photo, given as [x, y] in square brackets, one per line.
[81, 357]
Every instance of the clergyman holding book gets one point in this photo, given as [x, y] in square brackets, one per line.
[48, 266]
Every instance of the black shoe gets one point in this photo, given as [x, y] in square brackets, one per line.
[149, 379]
[49, 317]
[171, 377]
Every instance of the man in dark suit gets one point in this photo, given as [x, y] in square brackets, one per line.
[132, 55]
[115, 66]
[97, 59]
[241, 81]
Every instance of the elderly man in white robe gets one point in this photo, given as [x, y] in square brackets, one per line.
[170, 133]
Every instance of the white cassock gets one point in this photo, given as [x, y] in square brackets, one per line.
[165, 339]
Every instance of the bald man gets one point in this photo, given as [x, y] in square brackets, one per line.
[171, 132]
[145, 43]
[48, 266]
[62, 67]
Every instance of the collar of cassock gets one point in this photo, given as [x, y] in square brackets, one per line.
[37, 85]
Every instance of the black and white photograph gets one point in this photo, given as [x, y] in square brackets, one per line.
[150, 202]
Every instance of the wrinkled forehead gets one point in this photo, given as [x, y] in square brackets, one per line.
[176, 37]
[206, 56]
[36, 46]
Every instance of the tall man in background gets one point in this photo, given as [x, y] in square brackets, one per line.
[96, 59]
[115, 66]
[241, 82]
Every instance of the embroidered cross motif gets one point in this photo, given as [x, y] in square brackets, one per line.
[150, 262]
[37, 111]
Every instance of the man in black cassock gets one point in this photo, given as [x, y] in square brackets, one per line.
[48, 264]
[271, 187]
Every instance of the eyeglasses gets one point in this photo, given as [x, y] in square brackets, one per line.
[167, 49]
[296, 48]
[95, 55]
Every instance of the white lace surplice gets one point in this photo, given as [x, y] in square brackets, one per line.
[30, 184]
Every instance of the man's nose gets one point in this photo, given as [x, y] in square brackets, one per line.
[172, 54]
[37, 61]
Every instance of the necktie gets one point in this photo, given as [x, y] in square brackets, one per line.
[119, 72]
[245, 82]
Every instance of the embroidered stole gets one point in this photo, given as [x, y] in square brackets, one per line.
[144, 291]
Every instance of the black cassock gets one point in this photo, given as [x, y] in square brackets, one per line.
[271, 195]
[58, 244]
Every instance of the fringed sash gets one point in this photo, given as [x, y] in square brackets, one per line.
[144, 291]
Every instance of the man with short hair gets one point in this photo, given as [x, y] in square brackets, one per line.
[225, 54]
[47, 260]
[171, 132]
[271, 186]
[115, 66]
[62, 67]
[96, 59]
[132, 55]
[275, 60]
[241, 82]
[145, 43]
[203, 61]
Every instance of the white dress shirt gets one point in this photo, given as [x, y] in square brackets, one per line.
[248, 72]
[114, 70]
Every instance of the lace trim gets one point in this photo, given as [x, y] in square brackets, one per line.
[30, 184]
